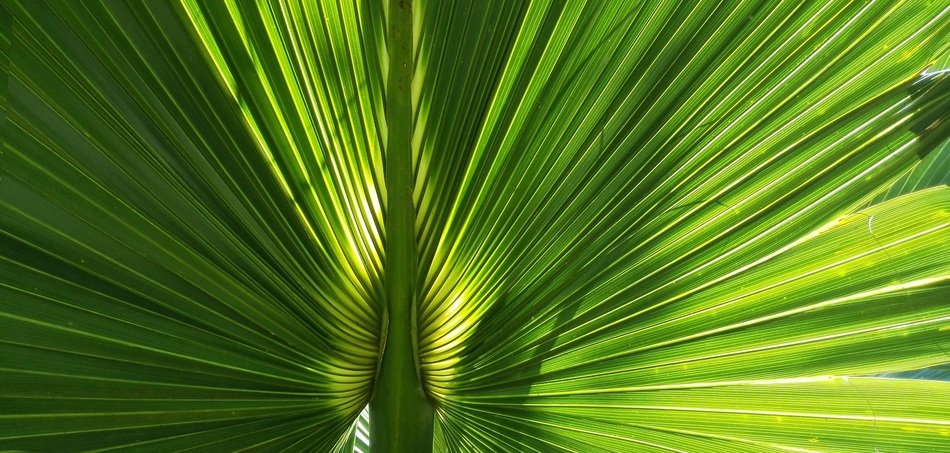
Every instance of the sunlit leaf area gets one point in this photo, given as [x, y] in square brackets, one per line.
[475, 226]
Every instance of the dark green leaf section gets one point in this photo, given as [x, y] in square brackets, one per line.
[6, 33]
[934, 167]
[933, 170]
[189, 224]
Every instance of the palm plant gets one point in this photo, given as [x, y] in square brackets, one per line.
[502, 226]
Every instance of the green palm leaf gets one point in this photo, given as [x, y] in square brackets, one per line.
[528, 226]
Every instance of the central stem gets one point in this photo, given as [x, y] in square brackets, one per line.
[401, 416]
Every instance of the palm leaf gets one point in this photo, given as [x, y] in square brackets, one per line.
[575, 226]
[176, 269]
[933, 170]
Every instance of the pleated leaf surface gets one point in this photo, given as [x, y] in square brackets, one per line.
[641, 226]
